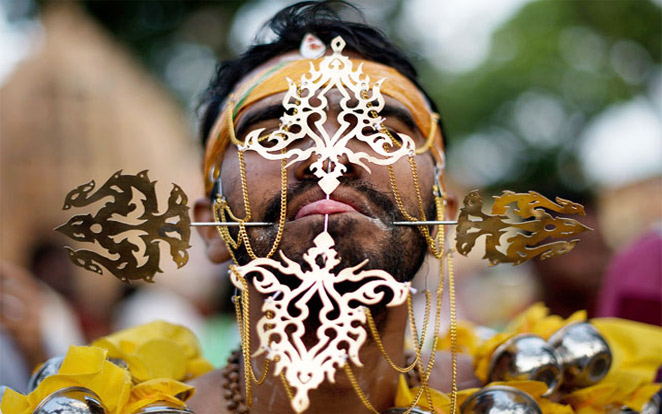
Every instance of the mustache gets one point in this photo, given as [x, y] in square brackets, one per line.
[385, 208]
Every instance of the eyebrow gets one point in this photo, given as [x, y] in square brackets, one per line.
[251, 118]
[400, 114]
[276, 111]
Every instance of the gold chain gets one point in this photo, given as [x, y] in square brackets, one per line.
[357, 388]
[242, 309]
[283, 207]
[380, 345]
[288, 390]
[436, 245]
[453, 331]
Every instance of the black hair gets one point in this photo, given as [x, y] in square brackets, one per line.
[288, 27]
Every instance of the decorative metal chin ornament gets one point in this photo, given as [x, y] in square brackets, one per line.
[132, 231]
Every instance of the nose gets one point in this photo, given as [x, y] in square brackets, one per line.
[338, 166]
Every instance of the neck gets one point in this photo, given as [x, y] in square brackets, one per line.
[376, 378]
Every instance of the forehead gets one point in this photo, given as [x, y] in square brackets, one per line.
[353, 76]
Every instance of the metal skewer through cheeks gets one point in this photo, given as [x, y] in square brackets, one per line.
[169, 225]
[266, 224]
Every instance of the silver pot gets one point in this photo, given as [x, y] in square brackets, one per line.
[585, 355]
[71, 400]
[500, 399]
[162, 407]
[48, 368]
[526, 357]
[415, 410]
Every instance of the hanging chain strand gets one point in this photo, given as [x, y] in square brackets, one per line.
[242, 308]
[288, 389]
[382, 349]
[283, 207]
[453, 331]
[358, 390]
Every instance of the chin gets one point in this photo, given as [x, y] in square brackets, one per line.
[397, 250]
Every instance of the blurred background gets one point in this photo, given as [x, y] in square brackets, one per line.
[560, 97]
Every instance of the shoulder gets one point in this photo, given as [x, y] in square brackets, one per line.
[208, 397]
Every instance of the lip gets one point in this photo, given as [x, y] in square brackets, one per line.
[324, 207]
[340, 202]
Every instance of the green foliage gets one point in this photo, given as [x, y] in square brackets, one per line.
[572, 52]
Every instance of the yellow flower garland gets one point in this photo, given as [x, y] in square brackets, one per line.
[159, 356]
[636, 351]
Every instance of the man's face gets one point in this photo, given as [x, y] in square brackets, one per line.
[361, 210]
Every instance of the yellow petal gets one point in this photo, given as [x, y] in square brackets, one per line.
[525, 320]
[157, 349]
[403, 395]
[156, 390]
[87, 367]
[467, 339]
[636, 347]
[198, 366]
[15, 403]
[164, 358]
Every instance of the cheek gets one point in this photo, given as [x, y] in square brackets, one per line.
[406, 179]
[262, 180]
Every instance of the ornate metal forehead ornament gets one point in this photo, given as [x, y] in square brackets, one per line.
[306, 115]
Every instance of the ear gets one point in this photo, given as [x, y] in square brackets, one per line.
[450, 213]
[217, 250]
[451, 206]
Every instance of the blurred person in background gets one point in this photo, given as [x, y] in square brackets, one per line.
[573, 281]
[37, 312]
[632, 285]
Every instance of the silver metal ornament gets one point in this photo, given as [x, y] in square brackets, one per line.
[653, 406]
[162, 407]
[48, 368]
[500, 399]
[585, 355]
[71, 400]
[526, 357]
[400, 410]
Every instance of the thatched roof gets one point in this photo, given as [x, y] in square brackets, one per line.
[81, 108]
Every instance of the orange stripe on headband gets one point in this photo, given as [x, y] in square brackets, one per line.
[272, 80]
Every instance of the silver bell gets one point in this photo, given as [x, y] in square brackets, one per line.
[48, 368]
[526, 357]
[71, 400]
[500, 399]
[162, 407]
[585, 355]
